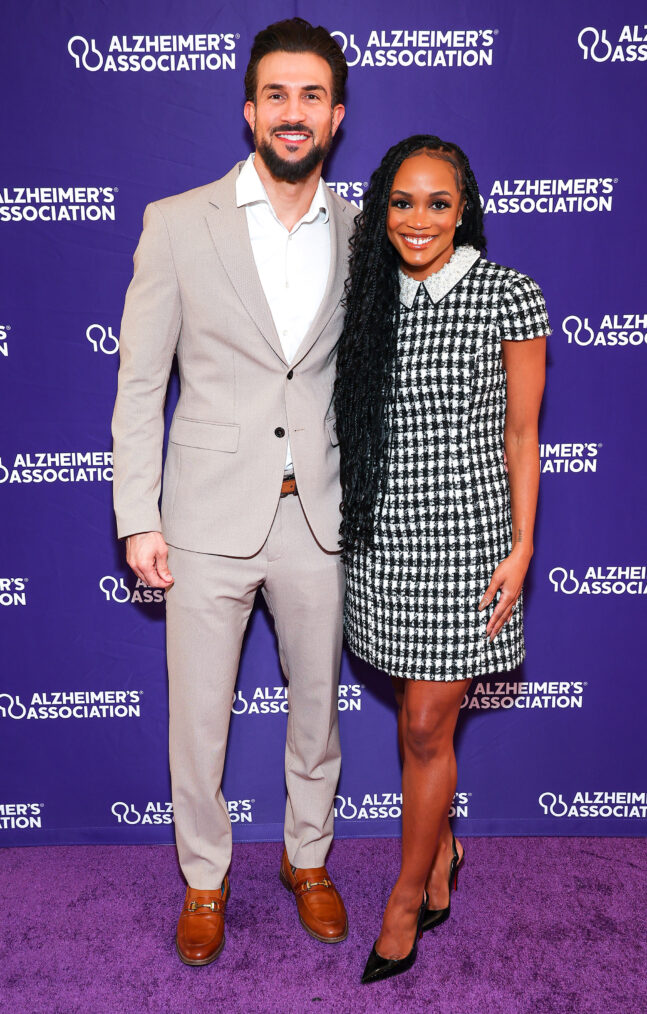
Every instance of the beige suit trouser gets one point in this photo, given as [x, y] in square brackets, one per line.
[207, 611]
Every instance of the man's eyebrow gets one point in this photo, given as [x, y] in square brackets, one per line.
[304, 88]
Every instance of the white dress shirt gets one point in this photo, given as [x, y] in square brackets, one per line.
[292, 266]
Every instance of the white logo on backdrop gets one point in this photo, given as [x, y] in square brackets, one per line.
[569, 457]
[350, 190]
[58, 466]
[58, 204]
[156, 812]
[202, 51]
[550, 196]
[595, 804]
[403, 47]
[85, 53]
[615, 330]
[65, 704]
[13, 708]
[152, 813]
[599, 580]
[20, 816]
[629, 46]
[495, 695]
[116, 590]
[274, 700]
[374, 806]
[385, 805]
[349, 47]
[4, 334]
[102, 338]
[555, 805]
[13, 591]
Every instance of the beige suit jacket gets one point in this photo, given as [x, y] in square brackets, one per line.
[196, 292]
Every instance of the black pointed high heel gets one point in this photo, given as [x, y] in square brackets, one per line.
[378, 967]
[437, 916]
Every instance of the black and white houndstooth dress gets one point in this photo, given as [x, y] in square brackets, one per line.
[411, 606]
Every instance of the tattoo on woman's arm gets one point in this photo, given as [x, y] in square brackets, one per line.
[519, 535]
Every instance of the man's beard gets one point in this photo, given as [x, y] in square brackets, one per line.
[281, 168]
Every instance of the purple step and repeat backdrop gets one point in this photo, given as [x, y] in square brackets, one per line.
[110, 105]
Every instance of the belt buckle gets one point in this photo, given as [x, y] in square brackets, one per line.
[288, 486]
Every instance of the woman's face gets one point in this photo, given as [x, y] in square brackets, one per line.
[424, 206]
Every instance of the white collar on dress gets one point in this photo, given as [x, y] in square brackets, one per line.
[441, 282]
[250, 190]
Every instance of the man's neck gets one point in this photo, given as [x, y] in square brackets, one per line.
[289, 200]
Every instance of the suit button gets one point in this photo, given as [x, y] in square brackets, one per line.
[279, 432]
[290, 374]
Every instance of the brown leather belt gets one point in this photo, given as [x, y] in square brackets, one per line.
[289, 486]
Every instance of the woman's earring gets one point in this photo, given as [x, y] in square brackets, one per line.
[459, 223]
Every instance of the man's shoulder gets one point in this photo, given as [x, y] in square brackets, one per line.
[345, 211]
[194, 200]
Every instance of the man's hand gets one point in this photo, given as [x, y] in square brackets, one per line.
[147, 554]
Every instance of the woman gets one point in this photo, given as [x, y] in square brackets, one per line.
[436, 387]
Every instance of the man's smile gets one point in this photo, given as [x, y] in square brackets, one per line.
[292, 136]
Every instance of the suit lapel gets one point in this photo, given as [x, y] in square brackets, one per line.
[228, 227]
[339, 235]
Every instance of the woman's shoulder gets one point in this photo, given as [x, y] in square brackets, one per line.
[507, 279]
[519, 301]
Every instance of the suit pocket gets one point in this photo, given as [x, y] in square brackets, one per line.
[331, 425]
[207, 435]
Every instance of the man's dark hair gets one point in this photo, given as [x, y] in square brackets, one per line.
[294, 35]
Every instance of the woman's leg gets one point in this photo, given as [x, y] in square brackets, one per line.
[437, 885]
[426, 727]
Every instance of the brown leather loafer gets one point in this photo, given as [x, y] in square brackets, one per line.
[200, 933]
[321, 910]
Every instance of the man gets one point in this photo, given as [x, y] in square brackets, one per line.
[243, 279]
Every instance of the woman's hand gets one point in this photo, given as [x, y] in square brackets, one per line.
[508, 579]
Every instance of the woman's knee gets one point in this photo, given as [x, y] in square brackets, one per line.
[426, 735]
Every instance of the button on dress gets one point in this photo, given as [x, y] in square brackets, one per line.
[445, 523]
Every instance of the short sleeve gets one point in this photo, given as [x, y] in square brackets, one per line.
[522, 311]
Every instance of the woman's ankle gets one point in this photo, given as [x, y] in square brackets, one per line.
[406, 896]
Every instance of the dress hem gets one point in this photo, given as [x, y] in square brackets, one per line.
[436, 678]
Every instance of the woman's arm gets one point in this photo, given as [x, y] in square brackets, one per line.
[525, 366]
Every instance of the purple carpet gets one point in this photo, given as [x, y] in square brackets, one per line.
[539, 925]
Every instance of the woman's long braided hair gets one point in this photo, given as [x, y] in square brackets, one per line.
[366, 356]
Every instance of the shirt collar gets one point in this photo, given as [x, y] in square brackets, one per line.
[441, 282]
[250, 190]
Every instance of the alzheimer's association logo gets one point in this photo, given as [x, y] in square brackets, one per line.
[102, 339]
[590, 803]
[20, 816]
[388, 805]
[4, 335]
[374, 806]
[153, 812]
[552, 804]
[404, 47]
[628, 46]
[612, 330]
[72, 704]
[241, 811]
[116, 590]
[600, 580]
[202, 51]
[11, 706]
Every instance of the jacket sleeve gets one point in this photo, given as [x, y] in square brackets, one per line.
[149, 332]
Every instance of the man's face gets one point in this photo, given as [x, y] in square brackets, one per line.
[293, 119]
